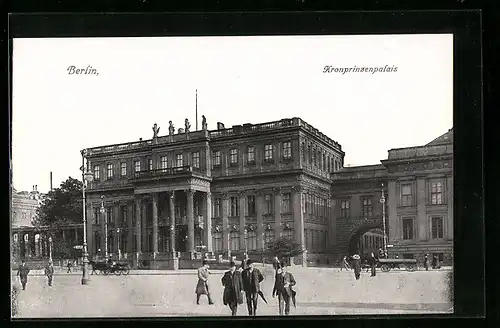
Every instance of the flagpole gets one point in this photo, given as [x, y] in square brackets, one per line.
[196, 109]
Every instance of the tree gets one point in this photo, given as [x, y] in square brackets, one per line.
[62, 206]
[284, 248]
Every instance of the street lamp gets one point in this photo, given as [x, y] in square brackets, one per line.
[246, 242]
[382, 201]
[119, 250]
[50, 249]
[86, 176]
[103, 212]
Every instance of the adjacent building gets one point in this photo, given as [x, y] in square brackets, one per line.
[225, 192]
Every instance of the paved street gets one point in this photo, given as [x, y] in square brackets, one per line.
[319, 292]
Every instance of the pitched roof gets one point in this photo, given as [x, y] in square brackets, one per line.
[446, 138]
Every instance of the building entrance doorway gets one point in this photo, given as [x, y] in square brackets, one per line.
[181, 237]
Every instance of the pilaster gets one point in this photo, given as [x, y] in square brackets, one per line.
[277, 212]
[242, 204]
[208, 221]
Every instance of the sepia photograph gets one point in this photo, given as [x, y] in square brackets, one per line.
[220, 176]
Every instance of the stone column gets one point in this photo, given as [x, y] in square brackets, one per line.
[449, 201]
[155, 222]
[102, 218]
[242, 197]
[130, 231]
[225, 222]
[90, 229]
[298, 218]
[421, 222]
[208, 221]
[259, 209]
[277, 212]
[190, 220]
[138, 228]
[392, 215]
[76, 235]
[171, 198]
[144, 224]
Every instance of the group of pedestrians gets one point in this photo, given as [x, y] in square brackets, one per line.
[247, 280]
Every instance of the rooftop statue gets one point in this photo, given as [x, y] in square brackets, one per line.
[171, 129]
[156, 129]
[187, 126]
[204, 122]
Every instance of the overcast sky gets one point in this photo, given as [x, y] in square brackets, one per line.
[142, 81]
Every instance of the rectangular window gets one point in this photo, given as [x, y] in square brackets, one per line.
[406, 195]
[436, 193]
[251, 154]
[123, 169]
[217, 208]
[251, 205]
[268, 204]
[367, 207]
[234, 240]
[216, 158]
[269, 236]
[217, 241]
[123, 215]
[196, 160]
[179, 160]
[97, 215]
[109, 213]
[345, 209]
[407, 229]
[268, 153]
[286, 205]
[234, 207]
[109, 174]
[233, 156]
[287, 150]
[137, 166]
[150, 164]
[288, 233]
[97, 170]
[437, 227]
[252, 240]
[164, 162]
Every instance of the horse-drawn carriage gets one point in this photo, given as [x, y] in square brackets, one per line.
[106, 268]
[387, 264]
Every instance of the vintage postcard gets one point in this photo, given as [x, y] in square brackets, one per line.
[232, 176]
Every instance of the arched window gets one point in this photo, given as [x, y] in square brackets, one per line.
[234, 240]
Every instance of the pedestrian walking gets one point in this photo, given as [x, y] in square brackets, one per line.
[426, 262]
[251, 285]
[373, 264]
[356, 264]
[202, 288]
[69, 265]
[284, 281]
[49, 272]
[233, 288]
[434, 262]
[345, 265]
[23, 272]
[276, 263]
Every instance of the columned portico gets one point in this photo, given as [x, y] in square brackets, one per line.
[155, 223]
[208, 221]
[171, 198]
[190, 220]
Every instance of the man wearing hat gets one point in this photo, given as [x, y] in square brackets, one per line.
[202, 286]
[49, 272]
[356, 265]
[251, 283]
[233, 288]
[22, 272]
[283, 288]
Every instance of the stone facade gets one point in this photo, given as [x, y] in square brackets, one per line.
[225, 192]
[418, 188]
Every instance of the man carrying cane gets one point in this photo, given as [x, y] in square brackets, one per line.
[202, 286]
[49, 272]
[251, 284]
[283, 288]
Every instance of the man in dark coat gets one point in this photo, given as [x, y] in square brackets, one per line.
[373, 264]
[22, 272]
[251, 284]
[426, 262]
[283, 284]
[49, 272]
[434, 261]
[233, 288]
[356, 265]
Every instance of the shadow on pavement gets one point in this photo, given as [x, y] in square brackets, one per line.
[437, 307]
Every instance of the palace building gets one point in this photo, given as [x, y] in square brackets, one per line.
[225, 192]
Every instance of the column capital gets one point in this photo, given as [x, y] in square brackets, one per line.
[190, 192]
[259, 193]
[224, 195]
[277, 190]
[297, 189]
[171, 194]
[241, 193]
[207, 195]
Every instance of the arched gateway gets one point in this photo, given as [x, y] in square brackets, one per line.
[350, 231]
